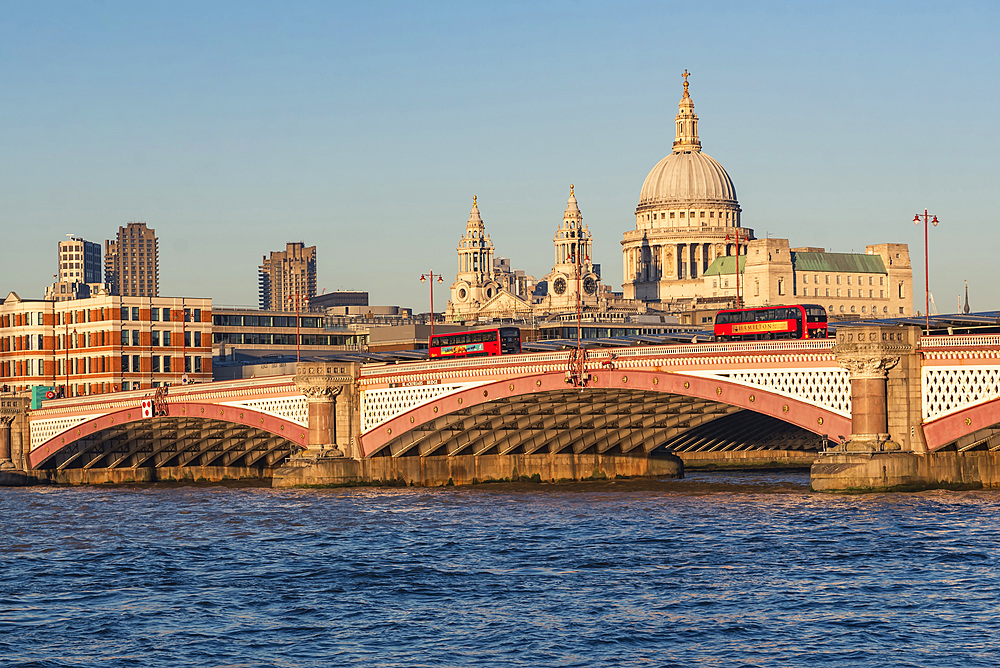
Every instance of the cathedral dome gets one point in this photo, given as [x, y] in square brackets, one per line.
[687, 176]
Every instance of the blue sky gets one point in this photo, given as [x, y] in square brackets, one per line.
[366, 128]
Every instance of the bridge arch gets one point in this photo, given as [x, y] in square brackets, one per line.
[619, 410]
[974, 428]
[188, 434]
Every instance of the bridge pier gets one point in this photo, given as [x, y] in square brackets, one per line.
[887, 450]
[331, 396]
[13, 432]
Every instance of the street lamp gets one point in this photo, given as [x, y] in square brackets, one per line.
[423, 279]
[745, 238]
[927, 281]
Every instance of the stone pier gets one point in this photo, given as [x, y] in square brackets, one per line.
[886, 450]
[330, 391]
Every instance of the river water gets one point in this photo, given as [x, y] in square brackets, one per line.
[714, 570]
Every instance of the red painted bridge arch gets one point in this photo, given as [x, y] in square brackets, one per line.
[645, 403]
[123, 428]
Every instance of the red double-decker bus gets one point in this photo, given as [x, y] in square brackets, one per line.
[798, 321]
[500, 341]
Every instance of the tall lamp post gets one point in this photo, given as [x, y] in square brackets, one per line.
[737, 265]
[927, 281]
[423, 279]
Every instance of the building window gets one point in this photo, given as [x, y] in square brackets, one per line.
[135, 312]
[197, 365]
[838, 280]
[166, 315]
[126, 386]
[901, 291]
[124, 363]
[848, 289]
[166, 363]
[154, 362]
[135, 364]
[166, 338]
[781, 286]
[154, 314]
[124, 312]
[848, 280]
[187, 364]
[154, 337]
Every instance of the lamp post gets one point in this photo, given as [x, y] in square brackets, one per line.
[737, 265]
[927, 281]
[298, 337]
[423, 279]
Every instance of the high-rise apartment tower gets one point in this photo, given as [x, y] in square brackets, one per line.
[131, 262]
[287, 279]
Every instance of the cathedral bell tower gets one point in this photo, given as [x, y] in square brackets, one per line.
[573, 269]
[474, 284]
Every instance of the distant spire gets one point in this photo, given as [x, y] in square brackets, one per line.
[572, 209]
[686, 122]
[475, 220]
[966, 310]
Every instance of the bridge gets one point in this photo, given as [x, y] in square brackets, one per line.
[608, 411]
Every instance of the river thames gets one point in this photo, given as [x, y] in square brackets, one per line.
[737, 569]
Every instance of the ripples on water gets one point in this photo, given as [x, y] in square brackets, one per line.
[715, 570]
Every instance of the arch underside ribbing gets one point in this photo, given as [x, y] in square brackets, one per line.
[612, 421]
[173, 441]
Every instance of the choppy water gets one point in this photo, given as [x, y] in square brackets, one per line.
[715, 570]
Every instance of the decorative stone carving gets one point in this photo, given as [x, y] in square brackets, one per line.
[865, 365]
[870, 351]
[319, 392]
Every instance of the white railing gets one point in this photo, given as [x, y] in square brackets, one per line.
[811, 345]
[961, 341]
[107, 402]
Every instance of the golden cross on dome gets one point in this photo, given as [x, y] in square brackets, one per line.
[473, 200]
[571, 189]
[686, 75]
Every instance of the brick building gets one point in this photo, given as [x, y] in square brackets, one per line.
[104, 343]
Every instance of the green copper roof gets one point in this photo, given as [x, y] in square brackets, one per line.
[844, 263]
[857, 263]
[725, 265]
